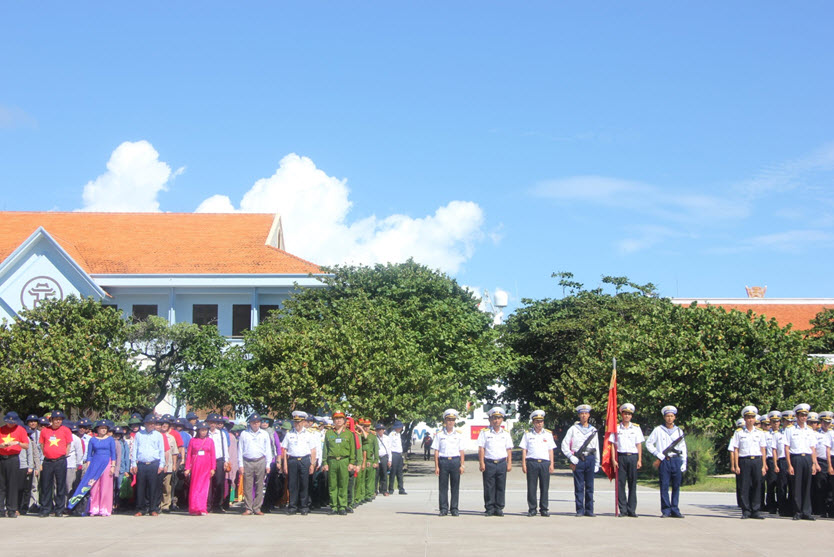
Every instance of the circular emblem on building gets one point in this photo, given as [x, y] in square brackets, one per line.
[39, 289]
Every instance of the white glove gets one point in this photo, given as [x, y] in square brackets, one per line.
[596, 469]
[574, 460]
[683, 468]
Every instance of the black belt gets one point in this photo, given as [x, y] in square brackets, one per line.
[7, 456]
[626, 454]
[538, 460]
[497, 461]
[449, 457]
[150, 462]
[751, 457]
[253, 459]
[302, 457]
[55, 459]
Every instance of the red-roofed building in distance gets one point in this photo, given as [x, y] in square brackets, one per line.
[796, 312]
[224, 269]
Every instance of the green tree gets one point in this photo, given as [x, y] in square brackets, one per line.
[705, 360]
[821, 335]
[174, 358]
[69, 354]
[384, 341]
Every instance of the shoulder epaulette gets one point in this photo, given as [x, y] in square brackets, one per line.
[635, 425]
[547, 430]
[739, 429]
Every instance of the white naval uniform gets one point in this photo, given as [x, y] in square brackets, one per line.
[575, 437]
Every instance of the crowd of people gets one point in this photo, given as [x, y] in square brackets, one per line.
[50, 466]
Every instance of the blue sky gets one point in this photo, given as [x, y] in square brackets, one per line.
[687, 144]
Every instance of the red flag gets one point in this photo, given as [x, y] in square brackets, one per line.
[608, 465]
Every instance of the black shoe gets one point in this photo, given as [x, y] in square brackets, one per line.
[745, 517]
[442, 513]
[545, 513]
[499, 513]
[350, 510]
[343, 512]
[57, 515]
[304, 512]
[488, 513]
[797, 517]
[455, 513]
[665, 516]
[166, 511]
[402, 492]
[632, 515]
[219, 510]
[808, 517]
[677, 515]
[292, 512]
[757, 516]
[590, 514]
[580, 514]
[531, 513]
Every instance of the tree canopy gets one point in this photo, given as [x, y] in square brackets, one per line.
[706, 361]
[390, 340]
[70, 353]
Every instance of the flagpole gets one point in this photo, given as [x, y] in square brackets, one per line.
[614, 449]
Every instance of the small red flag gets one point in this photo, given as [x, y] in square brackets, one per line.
[608, 465]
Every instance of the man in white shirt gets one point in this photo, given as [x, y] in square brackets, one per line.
[750, 447]
[801, 455]
[537, 463]
[667, 443]
[384, 458]
[628, 443]
[495, 452]
[581, 447]
[396, 447]
[221, 452]
[300, 448]
[448, 462]
[828, 443]
[254, 454]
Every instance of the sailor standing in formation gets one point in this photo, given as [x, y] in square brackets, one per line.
[537, 463]
[750, 447]
[667, 443]
[581, 447]
[448, 462]
[628, 444]
[495, 457]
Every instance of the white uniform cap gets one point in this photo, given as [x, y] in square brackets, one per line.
[537, 415]
[496, 411]
[298, 415]
[749, 410]
[669, 410]
[827, 416]
[813, 417]
[450, 412]
[774, 414]
[627, 407]
[740, 422]
[802, 408]
[583, 408]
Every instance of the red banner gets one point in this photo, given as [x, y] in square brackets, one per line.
[608, 464]
[475, 430]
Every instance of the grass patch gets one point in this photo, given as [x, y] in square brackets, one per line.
[710, 483]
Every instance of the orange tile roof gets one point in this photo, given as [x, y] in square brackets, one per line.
[158, 243]
[799, 315]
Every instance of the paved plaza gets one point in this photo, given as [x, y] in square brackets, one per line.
[408, 525]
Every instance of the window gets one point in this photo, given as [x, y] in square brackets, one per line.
[265, 310]
[141, 312]
[241, 319]
[204, 314]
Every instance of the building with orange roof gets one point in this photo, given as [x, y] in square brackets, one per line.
[223, 269]
[796, 312]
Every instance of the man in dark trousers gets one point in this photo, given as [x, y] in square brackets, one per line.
[56, 443]
[147, 461]
[396, 446]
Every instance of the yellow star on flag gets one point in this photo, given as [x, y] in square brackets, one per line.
[8, 438]
[53, 441]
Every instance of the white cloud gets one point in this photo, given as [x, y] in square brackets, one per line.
[12, 117]
[791, 174]
[680, 206]
[135, 176]
[645, 237]
[314, 209]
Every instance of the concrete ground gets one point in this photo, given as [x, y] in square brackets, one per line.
[408, 525]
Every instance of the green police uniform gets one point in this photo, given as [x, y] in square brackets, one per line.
[339, 451]
[372, 451]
